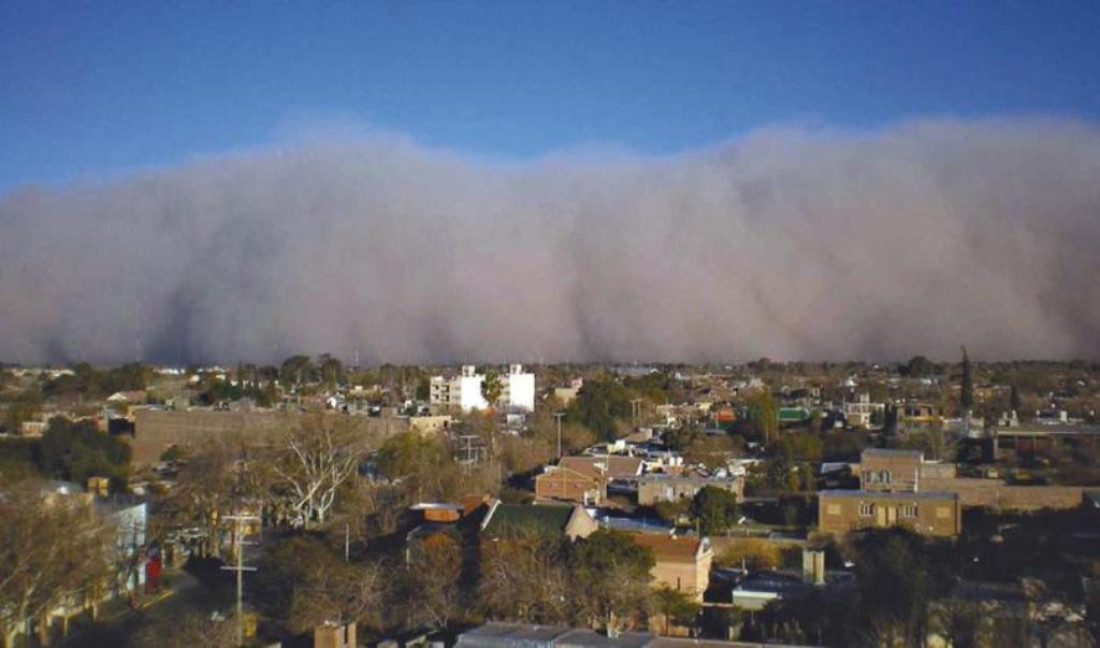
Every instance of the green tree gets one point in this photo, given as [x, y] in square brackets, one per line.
[332, 370]
[25, 407]
[77, 451]
[612, 576]
[1014, 400]
[296, 370]
[764, 415]
[676, 607]
[966, 395]
[600, 403]
[491, 388]
[889, 615]
[919, 367]
[715, 509]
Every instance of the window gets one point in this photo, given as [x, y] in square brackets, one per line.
[866, 509]
[943, 513]
[884, 477]
[909, 510]
[832, 509]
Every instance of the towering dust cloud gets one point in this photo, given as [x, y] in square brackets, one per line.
[788, 243]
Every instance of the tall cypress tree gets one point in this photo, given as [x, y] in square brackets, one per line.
[967, 396]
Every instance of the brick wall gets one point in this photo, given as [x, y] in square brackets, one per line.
[157, 430]
[996, 494]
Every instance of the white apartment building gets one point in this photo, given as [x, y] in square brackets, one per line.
[519, 389]
[464, 390]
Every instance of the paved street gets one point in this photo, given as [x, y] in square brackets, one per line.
[120, 626]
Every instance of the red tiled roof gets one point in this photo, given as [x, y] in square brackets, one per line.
[668, 548]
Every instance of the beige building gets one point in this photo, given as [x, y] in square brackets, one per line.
[654, 488]
[890, 470]
[429, 424]
[683, 564]
[932, 514]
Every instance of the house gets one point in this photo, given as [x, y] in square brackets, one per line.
[584, 479]
[509, 520]
[681, 563]
[429, 425]
[610, 467]
[1016, 442]
[654, 488]
[927, 513]
[755, 591]
[568, 394]
[582, 484]
[890, 470]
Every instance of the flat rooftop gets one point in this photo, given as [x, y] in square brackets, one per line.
[863, 494]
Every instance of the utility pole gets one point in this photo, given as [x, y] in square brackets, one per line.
[238, 542]
[559, 415]
[635, 410]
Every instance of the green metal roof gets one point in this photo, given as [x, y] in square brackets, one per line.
[510, 519]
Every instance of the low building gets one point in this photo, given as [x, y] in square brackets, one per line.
[567, 395]
[609, 466]
[430, 424]
[926, 513]
[510, 520]
[584, 479]
[581, 484]
[654, 488]
[518, 635]
[1016, 442]
[681, 563]
[755, 591]
[890, 470]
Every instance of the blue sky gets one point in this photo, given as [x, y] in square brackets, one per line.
[95, 88]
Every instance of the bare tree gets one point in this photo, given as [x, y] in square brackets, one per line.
[54, 550]
[212, 483]
[525, 578]
[332, 590]
[432, 586]
[312, 461]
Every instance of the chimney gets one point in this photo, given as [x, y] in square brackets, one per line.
[813, 566]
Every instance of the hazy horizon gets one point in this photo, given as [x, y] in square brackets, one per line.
[792, 242]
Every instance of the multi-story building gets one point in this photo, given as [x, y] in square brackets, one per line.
[890, 495]
[681, 563]
[933, 514]
[890, 470]
[464, 391]
[519, 389]
[862, 413]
